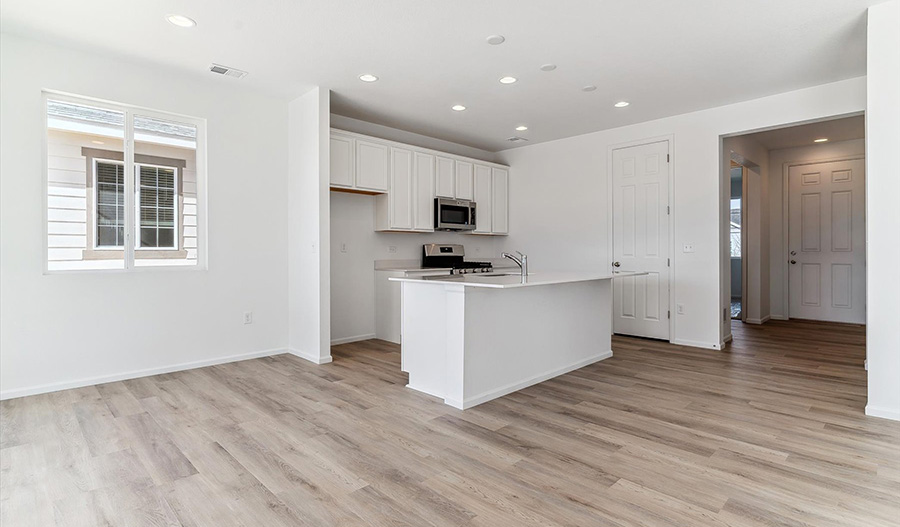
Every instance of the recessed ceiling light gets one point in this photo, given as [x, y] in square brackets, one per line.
[507, 80]
[621, 104]
[181, 21]
[548, 67]
[457, 107]
[97, 142]
[495, 40]
[521, 128]
[368, 77]
[589, 87]
[821, 140]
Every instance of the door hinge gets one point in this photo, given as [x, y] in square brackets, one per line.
[668, 314]
[668, 209]
[667, 158]
[668, 262]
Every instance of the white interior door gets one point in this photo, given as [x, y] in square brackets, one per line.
[827, 241]
[641, 240]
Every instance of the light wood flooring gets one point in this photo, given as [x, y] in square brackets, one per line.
[769, 432]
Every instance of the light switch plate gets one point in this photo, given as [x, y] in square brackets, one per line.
[688, 248]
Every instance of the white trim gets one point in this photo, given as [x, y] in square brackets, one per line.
[762, 320]
[884, 413]
[778, 317]
[91, 381]
[314, 358]
[469, 402]
[670, 139]
[348, 340]
[696, 344]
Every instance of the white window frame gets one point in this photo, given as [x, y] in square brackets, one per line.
[137, 209]
[130, 194]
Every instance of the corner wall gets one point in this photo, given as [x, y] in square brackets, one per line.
[308, 240]
[883, 221]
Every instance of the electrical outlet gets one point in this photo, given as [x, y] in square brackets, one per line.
[392, 248]
[248, 317]
[679, 308]
[688, 248]
[343, 247]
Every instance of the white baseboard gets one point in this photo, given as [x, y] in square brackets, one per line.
[315, 359]
[696, 344]
[469, 402]
[348, 340]
[91, 381]
[884, 413]
[779, 317]
[762, 320]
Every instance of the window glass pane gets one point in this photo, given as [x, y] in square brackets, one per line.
[85, 186]
[166, 184]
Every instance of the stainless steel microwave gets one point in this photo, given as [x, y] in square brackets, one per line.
[454, 214]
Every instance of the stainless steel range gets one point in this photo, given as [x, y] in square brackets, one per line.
[449, 255]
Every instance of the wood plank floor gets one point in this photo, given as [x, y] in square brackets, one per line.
[768, 432]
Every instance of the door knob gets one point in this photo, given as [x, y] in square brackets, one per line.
[616, 264]
[793, 262]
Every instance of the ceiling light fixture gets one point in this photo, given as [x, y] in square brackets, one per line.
[521, 128]
[821, 140]
[457, 107]
[548, 67]
[621, 104]
[507, 80]
[181, 21]
[495, 40]
[589, 87]
[368, 77]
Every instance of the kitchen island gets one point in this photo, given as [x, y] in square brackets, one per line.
[475, 337]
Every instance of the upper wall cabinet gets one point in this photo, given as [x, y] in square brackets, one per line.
[406, 180]
[372, 166]
[342, 160]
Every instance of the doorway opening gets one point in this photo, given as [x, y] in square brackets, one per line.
[794, 213]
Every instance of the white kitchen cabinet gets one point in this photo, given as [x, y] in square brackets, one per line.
[423, 192]
[372, 166]
[483, 192]
[401, 194]
[342, 160]
[445, 177]
[388, 305]
[500, 201]
[464, 180]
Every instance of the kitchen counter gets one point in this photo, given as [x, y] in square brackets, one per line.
[510, 279]
[471, 338]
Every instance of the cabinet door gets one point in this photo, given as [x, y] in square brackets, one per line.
[483, 192]
[445, 177]
[423, 191]
[401, 195]
[464, 183]
[341, 161]
[371, 166]
[500, 202]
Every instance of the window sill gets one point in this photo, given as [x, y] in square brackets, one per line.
[112, 254]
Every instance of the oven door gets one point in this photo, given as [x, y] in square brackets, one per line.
[454, 214]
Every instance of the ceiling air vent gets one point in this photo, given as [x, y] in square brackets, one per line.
[228, 72]
[516, 139]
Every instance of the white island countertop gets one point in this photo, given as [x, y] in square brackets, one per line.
[510, 280]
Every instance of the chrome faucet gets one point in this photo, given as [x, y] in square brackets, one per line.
[521, 261]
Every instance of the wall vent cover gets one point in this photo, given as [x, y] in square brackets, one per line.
[227, 71]
[516, 139]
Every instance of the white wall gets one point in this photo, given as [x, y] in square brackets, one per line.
[309, 282]
[883, 221]
[63, 330]
[559, 194]
[778, 162]
[353, 272]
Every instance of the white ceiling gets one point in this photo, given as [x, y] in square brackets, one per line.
[665, 57]
[834, 130]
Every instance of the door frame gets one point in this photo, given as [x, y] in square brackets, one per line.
[670, 140]
[786, 223]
